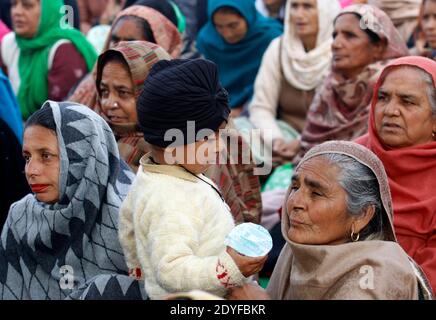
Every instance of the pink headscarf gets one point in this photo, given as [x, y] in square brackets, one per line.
[346, 3]
[164, 31]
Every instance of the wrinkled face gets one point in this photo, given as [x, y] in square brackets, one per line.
[231, 26]
[403, 115]
[352, 48]
[316, 206]
[126, 30]
[304, 17]
[25, 15]
[429, 22]
[117, 93]
[41, 153]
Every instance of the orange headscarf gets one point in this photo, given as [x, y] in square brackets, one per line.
[412, 179]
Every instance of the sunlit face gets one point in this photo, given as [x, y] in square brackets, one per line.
[126, 30]
[352, 48]
[429, 22]
[41, 153]
[304, 18]
[231, 26]
[316, 207]
[25, 15]
[403, 115]
[117, 93]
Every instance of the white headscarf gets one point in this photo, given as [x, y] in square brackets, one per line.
[305, 70]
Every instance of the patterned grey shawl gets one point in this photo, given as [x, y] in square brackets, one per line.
[49, 251]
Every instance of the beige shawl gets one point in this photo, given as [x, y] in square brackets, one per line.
[372, 269]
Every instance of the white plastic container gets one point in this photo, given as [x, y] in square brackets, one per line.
[249, 239]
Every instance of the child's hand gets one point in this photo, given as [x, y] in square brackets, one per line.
[247, 265]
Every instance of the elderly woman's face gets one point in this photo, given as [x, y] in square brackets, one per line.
[429, 22]
[403, 115]
[41, 152]
[352, 48]
[25, 15]
[316, 206]
[117, 93]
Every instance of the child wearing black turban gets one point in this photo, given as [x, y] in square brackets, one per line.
[174, 221]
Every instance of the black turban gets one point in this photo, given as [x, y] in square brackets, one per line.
[178, 91]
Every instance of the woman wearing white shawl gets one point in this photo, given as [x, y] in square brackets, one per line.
[289, 74]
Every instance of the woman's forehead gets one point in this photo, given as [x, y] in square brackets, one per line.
[39, 136]
[394, 79]
[318, 168]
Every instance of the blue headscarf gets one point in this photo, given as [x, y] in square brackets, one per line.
[9, 110]
[238, 63]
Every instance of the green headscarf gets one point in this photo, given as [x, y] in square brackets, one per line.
[33, 60]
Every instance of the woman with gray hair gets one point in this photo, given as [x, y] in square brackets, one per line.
[402, 133]
[340, 241]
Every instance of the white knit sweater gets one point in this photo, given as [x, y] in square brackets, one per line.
[172, 227]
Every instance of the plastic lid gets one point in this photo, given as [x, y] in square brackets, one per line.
[250, 239]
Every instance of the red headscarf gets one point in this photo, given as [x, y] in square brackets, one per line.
[412, 179]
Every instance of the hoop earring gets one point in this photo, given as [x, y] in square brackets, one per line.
[353, 236]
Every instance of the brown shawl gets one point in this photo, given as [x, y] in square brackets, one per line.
[338, 271]
[340, 108]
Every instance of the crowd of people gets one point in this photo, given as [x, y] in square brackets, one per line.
[131, 134]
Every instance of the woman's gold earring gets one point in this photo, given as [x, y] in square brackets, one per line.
[433, 135]
[354, 237]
